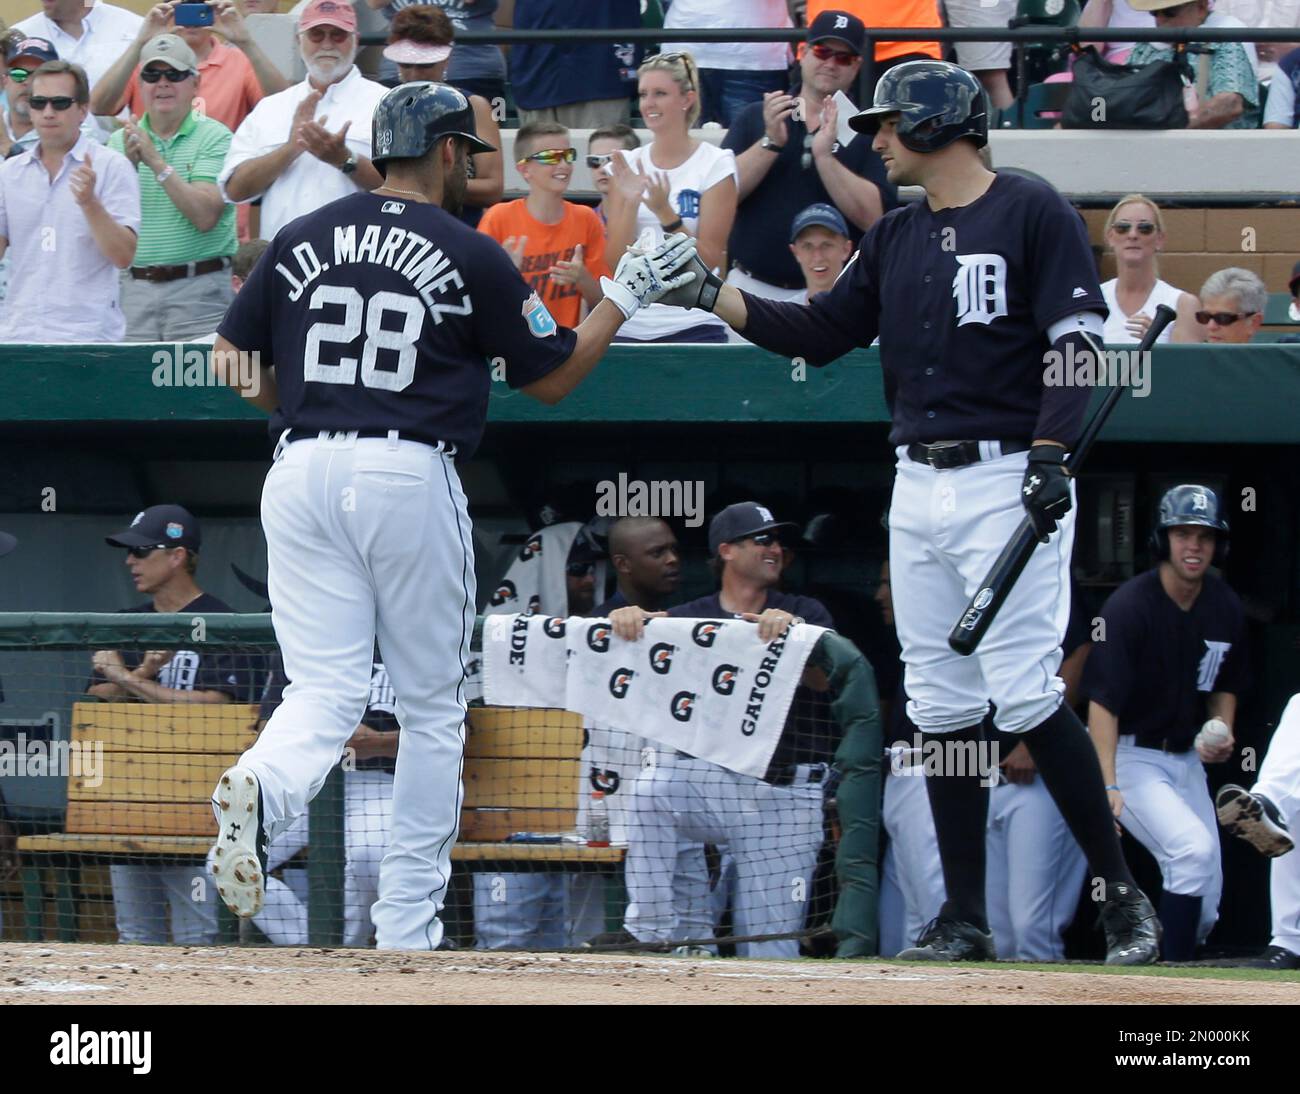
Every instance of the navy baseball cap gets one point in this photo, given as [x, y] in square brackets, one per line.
[825, 215]
[41, 49]
[745, 518]
[160, 526]
[839, 25]
[7, 543]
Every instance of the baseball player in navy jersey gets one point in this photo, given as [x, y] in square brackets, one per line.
[1162, 685]
[968, 290]
[372, 322]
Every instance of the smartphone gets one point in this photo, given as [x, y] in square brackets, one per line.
[193, 15]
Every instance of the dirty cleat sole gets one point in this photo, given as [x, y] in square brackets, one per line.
[1254, 819]
[239, 855]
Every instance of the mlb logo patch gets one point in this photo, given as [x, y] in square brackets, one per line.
[174, 530]
[539, 320]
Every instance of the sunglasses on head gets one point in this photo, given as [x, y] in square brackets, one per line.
[599, 161]
[839, 56]
[552, 157]
[1123, 227]
[672, 58]
[59, 102]
[145, 552]
[172, 75]
[1222, 318]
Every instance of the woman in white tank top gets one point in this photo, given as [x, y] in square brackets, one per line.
[1135, 235]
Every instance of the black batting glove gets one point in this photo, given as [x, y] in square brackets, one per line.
[700, 293]
[1045, 492]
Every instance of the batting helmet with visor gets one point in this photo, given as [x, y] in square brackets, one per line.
[1189, 504]
[936, 103]
[413, 117]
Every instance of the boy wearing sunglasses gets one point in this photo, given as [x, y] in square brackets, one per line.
[558, 246]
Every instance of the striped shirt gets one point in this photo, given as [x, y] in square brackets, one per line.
[167, 238]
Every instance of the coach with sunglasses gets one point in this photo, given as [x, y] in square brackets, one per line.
[789, 157]
[1232, 306]
[70, 214]
[162, 555]
[179, 286]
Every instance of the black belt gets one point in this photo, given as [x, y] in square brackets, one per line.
[945, 455]
[1165, 746]
[175, 273]
[402, 435]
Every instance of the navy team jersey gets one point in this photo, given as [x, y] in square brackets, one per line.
[381, 314]
[961, 300]
[810, 734]
[1158, 663]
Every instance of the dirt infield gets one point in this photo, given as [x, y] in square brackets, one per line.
[77, 973]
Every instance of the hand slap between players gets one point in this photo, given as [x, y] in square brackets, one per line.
[1045, 492]
[643, 278]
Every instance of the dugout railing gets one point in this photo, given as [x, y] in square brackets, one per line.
[138, 776]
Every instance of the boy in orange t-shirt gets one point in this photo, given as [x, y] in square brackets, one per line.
[558, 246]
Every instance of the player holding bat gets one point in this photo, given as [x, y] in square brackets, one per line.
[968, 291]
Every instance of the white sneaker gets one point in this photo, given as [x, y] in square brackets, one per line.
[239, 855]
[1255, 819]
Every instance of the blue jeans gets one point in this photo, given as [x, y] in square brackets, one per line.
[725, 91]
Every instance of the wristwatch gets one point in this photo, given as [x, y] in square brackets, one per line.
[163, 175]
[771, 145]
[349, 165]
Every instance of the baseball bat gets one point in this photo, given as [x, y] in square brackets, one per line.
[983, 607]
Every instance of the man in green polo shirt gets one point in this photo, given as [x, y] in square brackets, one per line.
[179, 287]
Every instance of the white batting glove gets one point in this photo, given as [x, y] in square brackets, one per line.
[643, 277]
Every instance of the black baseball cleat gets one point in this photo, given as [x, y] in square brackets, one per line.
[946, 939]
[623, 939]
[1275, 957]
[1132, 928]
[239, 855]
[1255, 819]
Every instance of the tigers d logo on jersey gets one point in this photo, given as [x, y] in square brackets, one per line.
[980, 288]
[598, 637]
[683, 706]
[661, 657]
[620, 682]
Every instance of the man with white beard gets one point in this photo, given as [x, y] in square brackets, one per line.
[310, 144]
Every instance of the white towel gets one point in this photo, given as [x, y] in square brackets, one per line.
[707, 687]
[535, 581]
[523, 660]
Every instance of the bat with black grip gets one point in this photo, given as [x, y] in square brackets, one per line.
[983, 607]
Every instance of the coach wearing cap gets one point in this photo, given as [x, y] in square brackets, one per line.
[310, 144]
[23, 56]
[178, 287]
[789, 156]
[820, 243]
[162, 555]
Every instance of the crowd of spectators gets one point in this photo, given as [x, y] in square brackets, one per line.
[225, 148]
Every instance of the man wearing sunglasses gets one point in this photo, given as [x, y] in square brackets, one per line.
[162, 554]
[773, 826]
[86, 197]
[1232, 306]
[179, 287]
[23, 56]
[89, 33]
[309, 144]
[789, 156]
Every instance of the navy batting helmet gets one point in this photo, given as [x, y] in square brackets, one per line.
[1189, 504]
[413, 117]
[936, 103]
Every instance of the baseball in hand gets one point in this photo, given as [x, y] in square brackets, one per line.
[1213, 736]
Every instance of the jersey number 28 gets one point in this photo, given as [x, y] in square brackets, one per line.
[402, 342]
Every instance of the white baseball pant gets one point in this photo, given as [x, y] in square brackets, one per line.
[1168, 809]
[366, 538]
[774, 833]
[367, 824]
[946, 528]
[1034, 875]
[143, 896]
[911, 889]
[1279, 781]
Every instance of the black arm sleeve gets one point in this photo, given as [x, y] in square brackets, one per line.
[1060, 414]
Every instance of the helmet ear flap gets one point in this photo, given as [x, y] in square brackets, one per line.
[1159, 544]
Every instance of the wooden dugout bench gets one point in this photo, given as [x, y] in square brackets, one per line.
[149, 802]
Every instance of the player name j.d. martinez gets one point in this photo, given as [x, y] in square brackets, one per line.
[408, 253]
